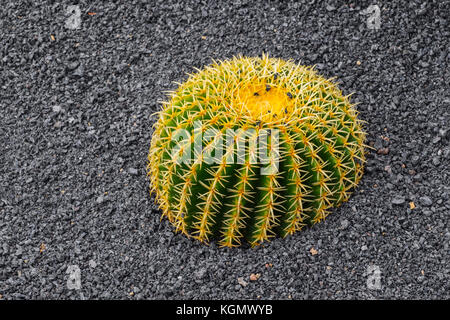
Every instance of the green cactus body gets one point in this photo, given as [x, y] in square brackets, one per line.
[310, 166]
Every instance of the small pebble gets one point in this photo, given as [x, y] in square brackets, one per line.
[92, 264]
[426, 201]
[383, 151]
[133, 171]
[398, 200]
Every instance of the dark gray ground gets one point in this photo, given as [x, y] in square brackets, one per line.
[76, 128]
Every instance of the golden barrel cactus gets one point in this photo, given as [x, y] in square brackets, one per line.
[251, 148]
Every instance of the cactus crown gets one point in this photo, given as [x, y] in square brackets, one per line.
[311, 131]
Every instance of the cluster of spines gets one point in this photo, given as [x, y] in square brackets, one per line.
[321, 155]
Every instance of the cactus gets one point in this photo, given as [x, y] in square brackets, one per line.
[315, 159]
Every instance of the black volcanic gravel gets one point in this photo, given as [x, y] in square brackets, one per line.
[76, 123]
